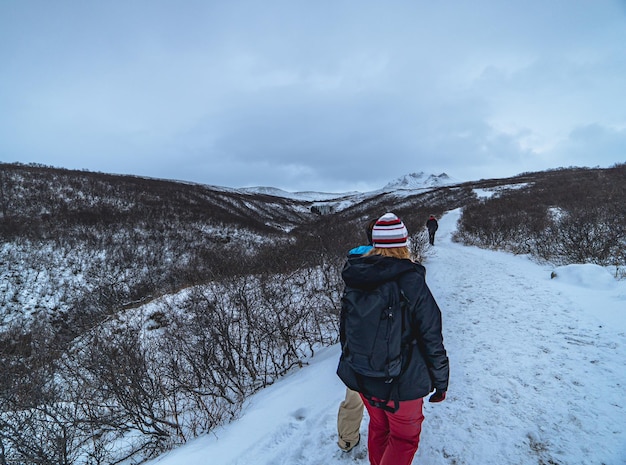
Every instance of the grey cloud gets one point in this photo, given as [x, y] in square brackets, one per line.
[318, 95]
[593, 145]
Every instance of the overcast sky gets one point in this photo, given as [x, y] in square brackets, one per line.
[326, 95]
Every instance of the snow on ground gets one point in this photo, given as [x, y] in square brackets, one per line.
[537, 376]
[495, 191]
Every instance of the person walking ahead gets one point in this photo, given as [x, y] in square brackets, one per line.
[432, 226]
[395, 403]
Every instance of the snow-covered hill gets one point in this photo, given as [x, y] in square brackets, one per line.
[305, 196]
[537, 375]
[534, 376]
[326, 203]
[412, 181]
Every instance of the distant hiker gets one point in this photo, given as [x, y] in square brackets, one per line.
[350, 412]
[387, 291]
[432, 227]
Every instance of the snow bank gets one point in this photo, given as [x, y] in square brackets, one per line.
[585, 275]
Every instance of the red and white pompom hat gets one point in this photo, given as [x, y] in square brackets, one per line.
[389, 231]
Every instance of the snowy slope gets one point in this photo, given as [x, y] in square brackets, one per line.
[306, 196]
[537, 376]
[411, 181]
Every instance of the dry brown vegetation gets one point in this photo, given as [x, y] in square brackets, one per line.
[562, 216]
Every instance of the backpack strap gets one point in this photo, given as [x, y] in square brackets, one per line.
[379, 403]
[393, 385]
[384, 404]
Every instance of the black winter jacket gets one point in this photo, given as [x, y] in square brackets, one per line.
[432, 225]
[427, 365]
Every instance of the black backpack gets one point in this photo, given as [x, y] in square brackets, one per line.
[373, 327]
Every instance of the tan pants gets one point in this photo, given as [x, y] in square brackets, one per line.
[349, 420]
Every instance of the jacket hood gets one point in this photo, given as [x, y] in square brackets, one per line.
[359, 251]
[373, 270]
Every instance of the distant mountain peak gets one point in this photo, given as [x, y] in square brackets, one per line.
[420, 180]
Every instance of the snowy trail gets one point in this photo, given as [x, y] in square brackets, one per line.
[536, 378]
[533, 375]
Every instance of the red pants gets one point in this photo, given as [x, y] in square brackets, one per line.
[393, 437]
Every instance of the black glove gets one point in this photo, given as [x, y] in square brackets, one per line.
[438, 396]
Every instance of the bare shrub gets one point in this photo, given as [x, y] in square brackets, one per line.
[419, 246]
[577, 217]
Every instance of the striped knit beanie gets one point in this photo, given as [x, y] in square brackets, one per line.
[389, 231]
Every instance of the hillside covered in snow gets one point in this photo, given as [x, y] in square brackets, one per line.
[138, 314]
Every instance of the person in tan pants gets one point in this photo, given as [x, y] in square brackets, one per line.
[351, 408]
[349, 420]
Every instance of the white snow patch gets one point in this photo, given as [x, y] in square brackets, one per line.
[495, 191]
[586, 275]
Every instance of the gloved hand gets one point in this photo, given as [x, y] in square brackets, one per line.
[438, 396]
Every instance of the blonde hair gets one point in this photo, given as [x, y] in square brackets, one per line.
[394, 252]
